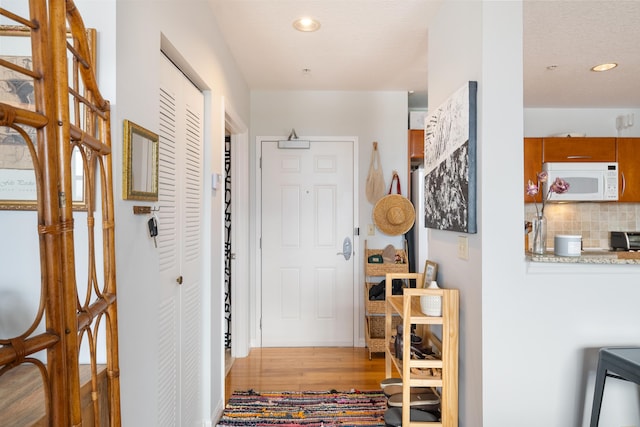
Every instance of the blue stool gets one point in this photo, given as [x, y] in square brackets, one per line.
[618, 362]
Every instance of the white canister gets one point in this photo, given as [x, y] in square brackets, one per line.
[567, 245]
[431, 305]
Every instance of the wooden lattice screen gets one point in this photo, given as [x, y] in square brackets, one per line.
[65, 127]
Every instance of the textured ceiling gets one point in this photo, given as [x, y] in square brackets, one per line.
[574, 36]
[361, 45]
[382, 45]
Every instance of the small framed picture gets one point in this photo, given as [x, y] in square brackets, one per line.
[430, 272]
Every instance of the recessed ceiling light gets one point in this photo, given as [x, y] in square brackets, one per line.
[604, 67]
[306, 25]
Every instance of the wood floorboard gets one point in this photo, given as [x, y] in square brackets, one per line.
[305, 369]
[23, 402]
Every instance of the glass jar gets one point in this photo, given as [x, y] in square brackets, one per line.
[539, 235]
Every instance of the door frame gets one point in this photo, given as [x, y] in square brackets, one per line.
[256, 335]
[240, 320]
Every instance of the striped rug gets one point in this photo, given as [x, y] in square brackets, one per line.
[307, 408]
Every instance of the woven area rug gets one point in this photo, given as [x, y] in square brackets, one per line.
[308, 408]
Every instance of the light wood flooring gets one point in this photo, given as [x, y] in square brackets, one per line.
[304, 369]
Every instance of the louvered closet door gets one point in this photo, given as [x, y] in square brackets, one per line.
[180, 250]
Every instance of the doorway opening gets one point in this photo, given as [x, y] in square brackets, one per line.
[235, 184]
[228, 254]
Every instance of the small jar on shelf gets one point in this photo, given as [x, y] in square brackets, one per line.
[431, 305]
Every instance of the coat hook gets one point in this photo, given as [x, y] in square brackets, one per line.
[141, 210]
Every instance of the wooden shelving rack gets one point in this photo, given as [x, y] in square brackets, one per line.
[442, 333]
[375, 310]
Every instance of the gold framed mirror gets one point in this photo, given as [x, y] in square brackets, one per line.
[140, 163]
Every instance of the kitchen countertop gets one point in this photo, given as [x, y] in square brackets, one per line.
[588, 256]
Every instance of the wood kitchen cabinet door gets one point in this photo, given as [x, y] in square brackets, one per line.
[532, 165]
[629, 167]
[416, 144]
[579, 149]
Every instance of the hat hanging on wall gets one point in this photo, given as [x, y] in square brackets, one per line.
[394, 214]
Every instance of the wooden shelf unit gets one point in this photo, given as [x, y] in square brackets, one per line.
[445, 345]
[375, 310]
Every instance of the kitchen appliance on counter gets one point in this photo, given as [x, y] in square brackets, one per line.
[567, 245]
[624, 240]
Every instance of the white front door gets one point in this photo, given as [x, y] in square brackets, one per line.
[307, 212]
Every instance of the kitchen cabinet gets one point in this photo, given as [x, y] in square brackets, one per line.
[532, 165]
[416, 145]
[581, 149]
[439, 372]
[415, 157]
[628, 150]
[375, 309]
[625, 151]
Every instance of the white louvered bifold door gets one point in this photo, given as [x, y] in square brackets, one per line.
[179, 240]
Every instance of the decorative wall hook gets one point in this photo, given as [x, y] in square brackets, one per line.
[145, 210]
[141, 210]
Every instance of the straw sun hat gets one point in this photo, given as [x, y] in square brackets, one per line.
[394, 214]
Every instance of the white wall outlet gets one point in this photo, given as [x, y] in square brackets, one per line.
[371, 230]
[463, 247]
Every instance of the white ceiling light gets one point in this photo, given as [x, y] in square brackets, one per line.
[306, 25]
[604, 67]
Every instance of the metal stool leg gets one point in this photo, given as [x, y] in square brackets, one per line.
[601, 376]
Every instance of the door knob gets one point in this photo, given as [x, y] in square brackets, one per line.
[347, 249]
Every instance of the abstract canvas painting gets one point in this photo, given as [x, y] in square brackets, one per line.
[450, 163]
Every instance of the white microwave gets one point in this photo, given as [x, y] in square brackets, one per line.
[588, 181]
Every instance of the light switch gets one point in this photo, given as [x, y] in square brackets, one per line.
[463, 247]
[215, 180]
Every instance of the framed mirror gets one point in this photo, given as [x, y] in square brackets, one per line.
[140, 163]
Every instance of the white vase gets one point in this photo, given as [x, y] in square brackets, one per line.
[431, 305]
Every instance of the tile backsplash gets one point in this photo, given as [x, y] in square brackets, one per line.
[593, 221]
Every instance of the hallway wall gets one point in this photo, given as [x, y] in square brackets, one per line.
[529, 331]
[369, 116]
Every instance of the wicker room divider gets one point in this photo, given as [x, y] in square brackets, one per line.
[70, 121]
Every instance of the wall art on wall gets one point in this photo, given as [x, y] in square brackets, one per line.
[17, 178]
[18, 188]
[450, 163]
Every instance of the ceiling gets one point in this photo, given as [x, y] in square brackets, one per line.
[378, 45]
